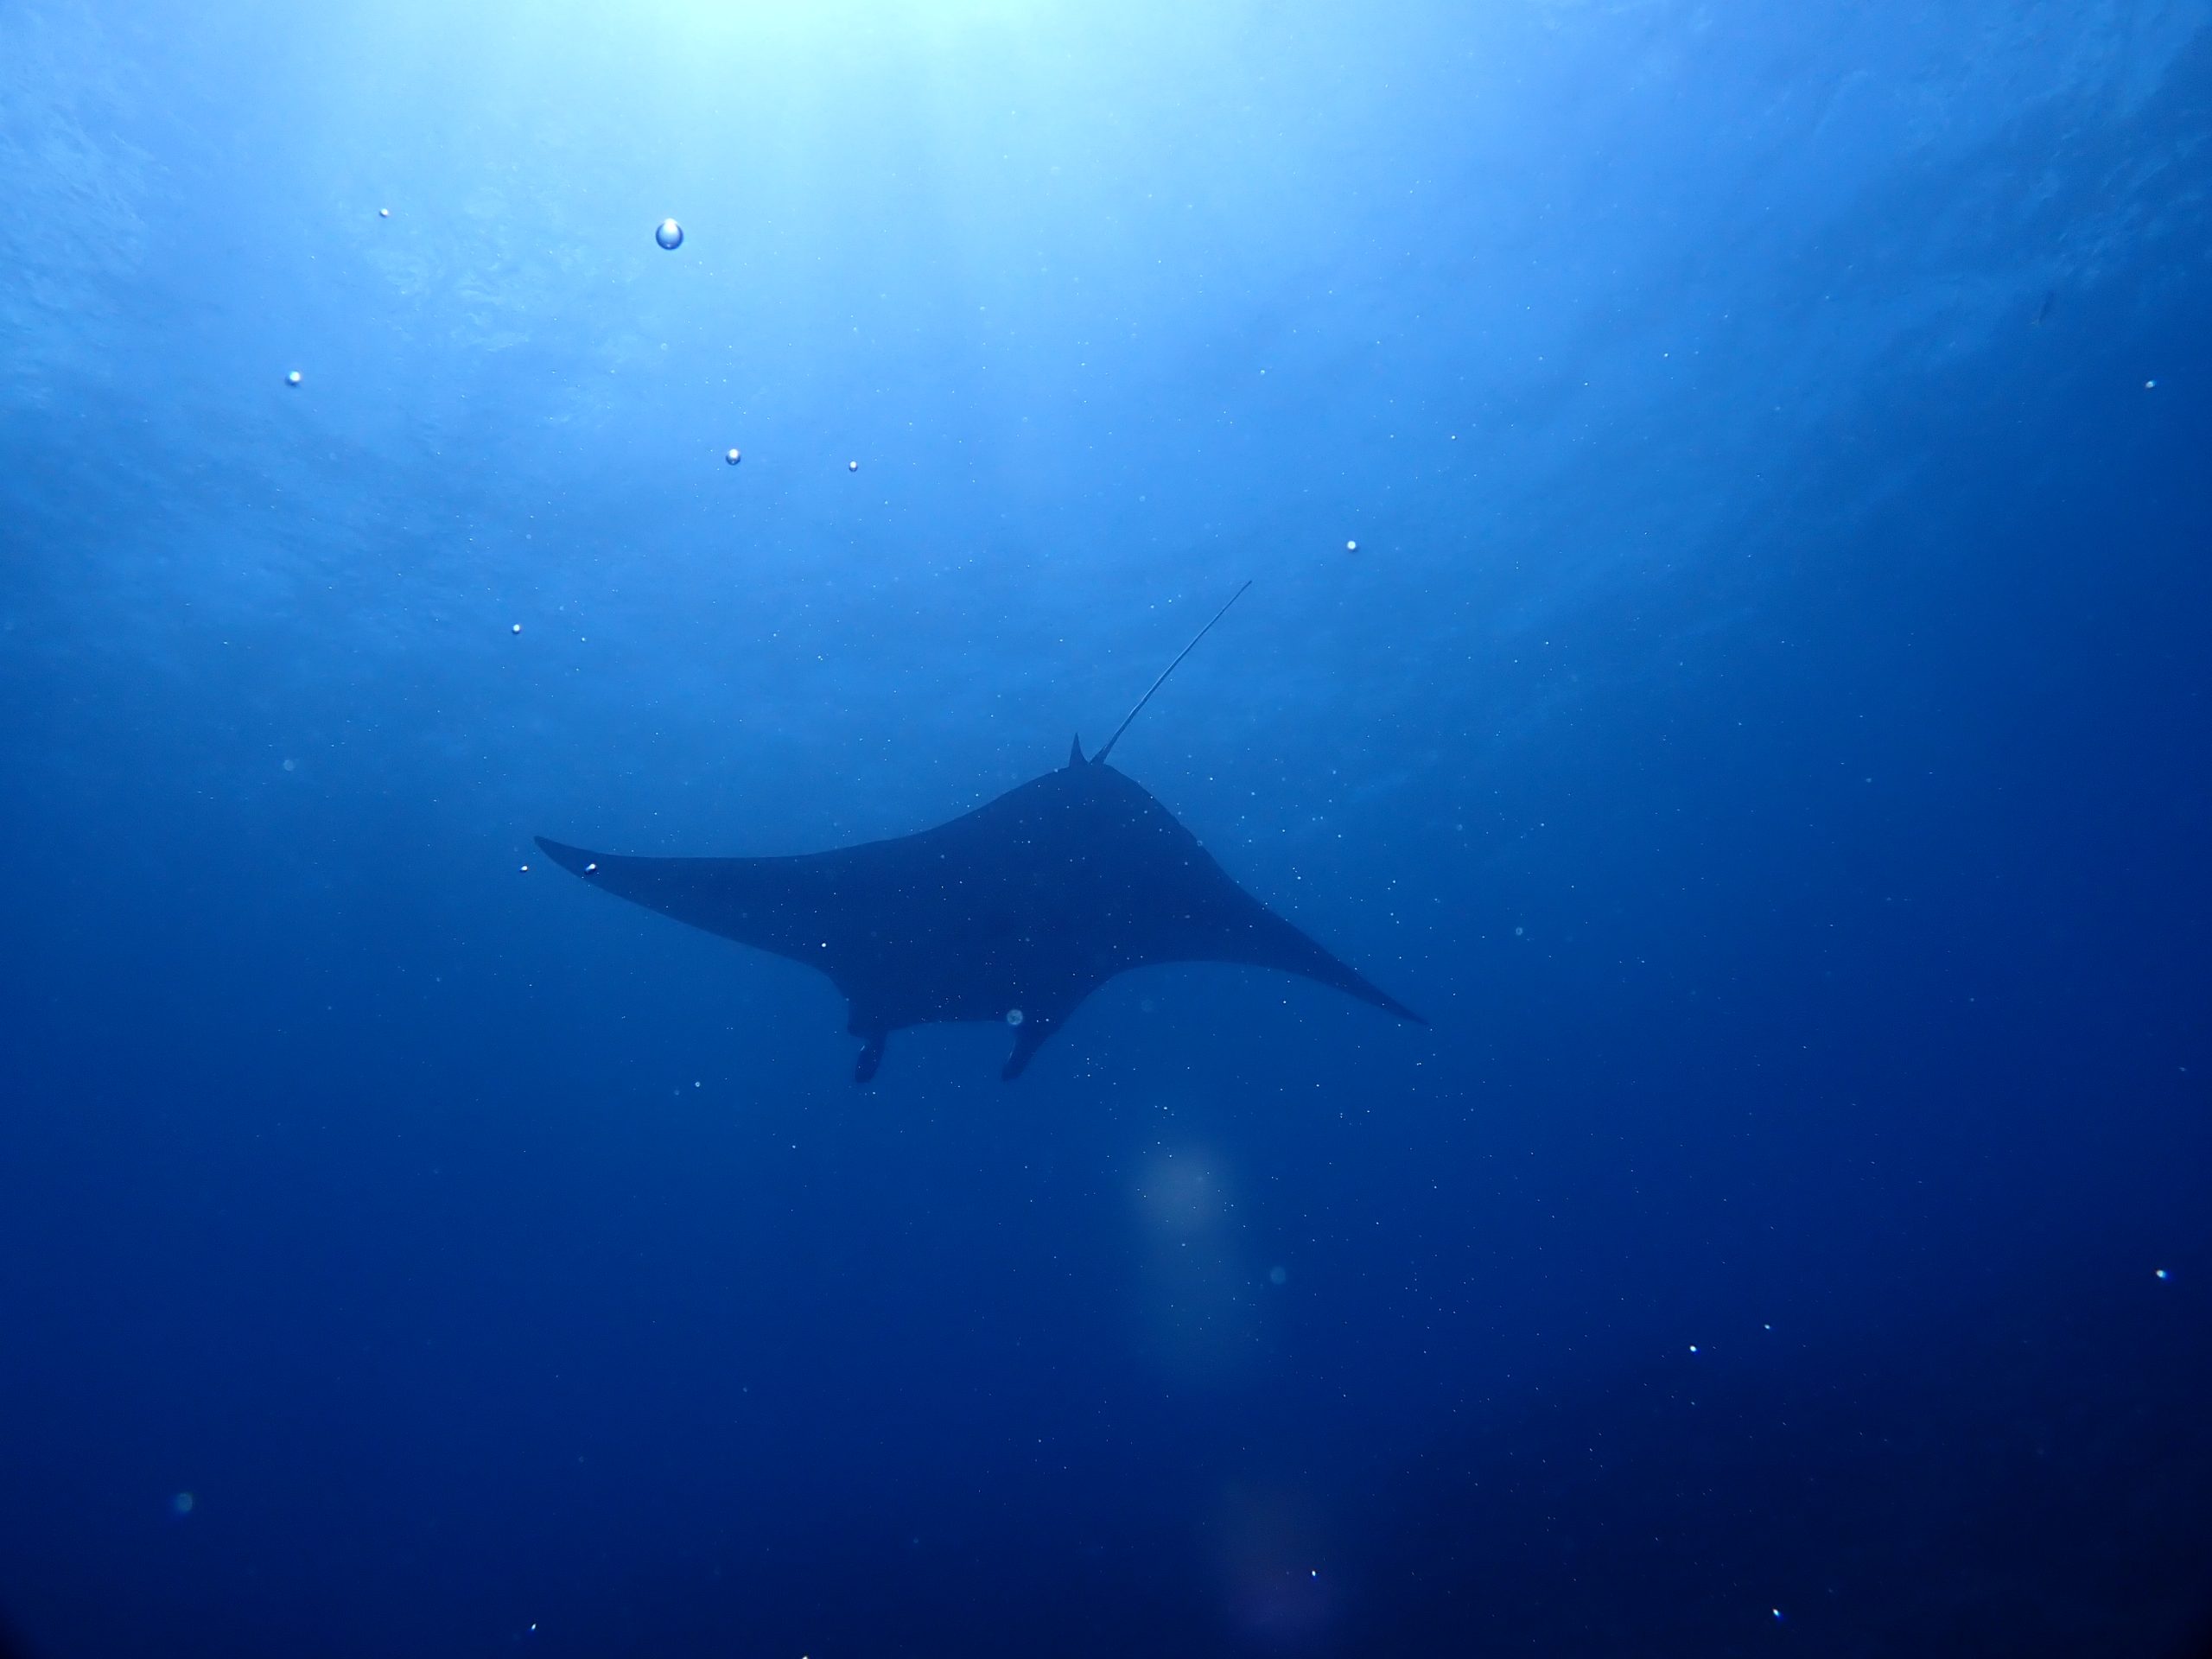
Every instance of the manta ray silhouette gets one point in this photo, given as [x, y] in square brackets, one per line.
[1016, 912]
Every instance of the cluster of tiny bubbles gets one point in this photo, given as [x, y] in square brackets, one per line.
[1014, 1016]
[669, 234]
[732, 457]
[293, 378]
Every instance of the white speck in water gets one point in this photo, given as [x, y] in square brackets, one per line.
[1693, 1347]
[589, 868]
[1014, 1016]
[852, 466]
[1351, 547]
[733, 457]
[516, 629]
[669, 234]
[2149, 385]
[385, 213]
[293, 378]
[2162, 1274]
[525, 869]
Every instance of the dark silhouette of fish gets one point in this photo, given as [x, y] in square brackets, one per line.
[1016, 912]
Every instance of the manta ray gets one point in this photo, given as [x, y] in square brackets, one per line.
[1014, 912]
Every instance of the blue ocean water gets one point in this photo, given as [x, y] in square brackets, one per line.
[1762, 724]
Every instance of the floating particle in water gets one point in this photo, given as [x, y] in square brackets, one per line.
[669, 234]
[384, 212]
[1776, 1612]
[2149, 385]
[2162, 1274]
[1693, 1347]
[1278, 1276]
[852, 466]
[291, 765]
[1516, 932]
[525, 869]
[589, 868]
[733, 457]
[1351, 547]
[1014, 1016]
[293, 378]
[183, 1503]
[516, 629]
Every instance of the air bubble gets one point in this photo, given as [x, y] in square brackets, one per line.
[669, 234]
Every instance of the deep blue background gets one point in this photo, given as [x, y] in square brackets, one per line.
[1764, 725]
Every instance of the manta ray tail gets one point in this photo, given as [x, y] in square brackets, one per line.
[1108, 747]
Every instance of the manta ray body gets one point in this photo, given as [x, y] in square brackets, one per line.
[1016, 912]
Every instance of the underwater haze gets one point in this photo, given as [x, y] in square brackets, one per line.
[1725, 498]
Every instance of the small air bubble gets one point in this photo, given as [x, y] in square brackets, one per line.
[1014, 1016]
[669, 234]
